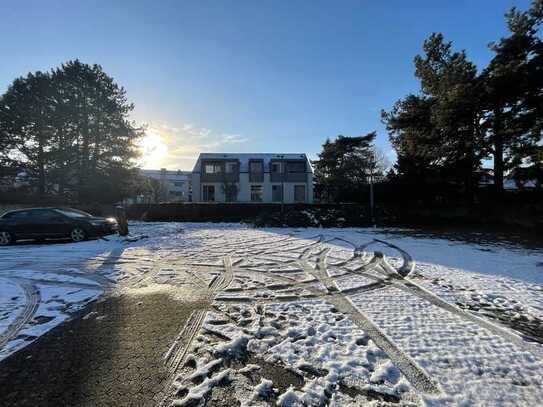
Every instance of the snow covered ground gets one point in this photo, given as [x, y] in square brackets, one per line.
[309, 316]
[43, 284]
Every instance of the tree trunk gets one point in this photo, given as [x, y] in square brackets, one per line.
[498, 152]
[122, 222]
[41, 164]
[470, 185]
[470, 167]
[83, 175]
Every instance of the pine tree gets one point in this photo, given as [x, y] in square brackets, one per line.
[26, 124]
[415, 138]
[98, 135]
[70, 127]
[513, 83]
[451, 81]
[344, 165]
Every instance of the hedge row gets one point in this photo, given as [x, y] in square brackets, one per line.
[526, 216]
[244, 212]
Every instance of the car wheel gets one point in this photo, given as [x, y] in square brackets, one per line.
[6, 238]
[78, 234]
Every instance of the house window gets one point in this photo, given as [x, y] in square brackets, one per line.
[256, 171]
[176, 193]
[276, 168]
[178, 183]
[299, 193]
[230, 192]
[256, 167]
[277, 193]
[256, 193]
[212, 169]
[296, 167]
[230, 168]
[209, 193]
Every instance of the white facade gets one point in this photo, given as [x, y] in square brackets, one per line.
[175, 186]
[245, 177]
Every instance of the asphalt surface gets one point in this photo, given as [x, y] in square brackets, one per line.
[110, 355]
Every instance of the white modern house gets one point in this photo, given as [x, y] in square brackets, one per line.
[245, 177]
[175, 185]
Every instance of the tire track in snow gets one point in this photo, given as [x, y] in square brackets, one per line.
[408, 263]
[416, 375]
[303, 254]
[178, 352]
[423, 293]
[32, 295]
[274, 255]
[224, 279]
[397, 279]
[337, 297]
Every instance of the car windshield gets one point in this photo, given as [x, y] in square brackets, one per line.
[74, 213]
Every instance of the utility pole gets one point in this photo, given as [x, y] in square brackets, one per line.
[371, 201]
[283, 168]
[372, 213]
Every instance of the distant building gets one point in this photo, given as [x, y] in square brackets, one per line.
[14, 178]
[175, 186]
[521, 178]
[244, 177]
[485, 176]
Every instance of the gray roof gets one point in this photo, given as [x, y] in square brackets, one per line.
[244, 158]
[174, 175]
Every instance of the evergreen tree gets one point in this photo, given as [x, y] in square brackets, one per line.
[437, 133]
[460, 117]
[70, 127]
[344, 165]
[415, 138]
[26, 124]
[513, 103]
[98, 137]
[451, 81]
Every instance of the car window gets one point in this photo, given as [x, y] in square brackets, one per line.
[73, 213]
[44, 214]
[16, 215]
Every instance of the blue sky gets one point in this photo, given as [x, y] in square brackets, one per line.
[249, 76]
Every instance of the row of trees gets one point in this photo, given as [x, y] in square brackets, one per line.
[70, 130]
[462, 117]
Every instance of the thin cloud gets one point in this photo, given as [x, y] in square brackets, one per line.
[192, 130]
[233, 138]
[183, 143]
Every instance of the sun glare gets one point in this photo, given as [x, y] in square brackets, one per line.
[153, 150]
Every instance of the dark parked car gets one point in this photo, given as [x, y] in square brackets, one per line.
[44, 223]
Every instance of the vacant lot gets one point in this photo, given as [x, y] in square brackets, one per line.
[228, 315]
